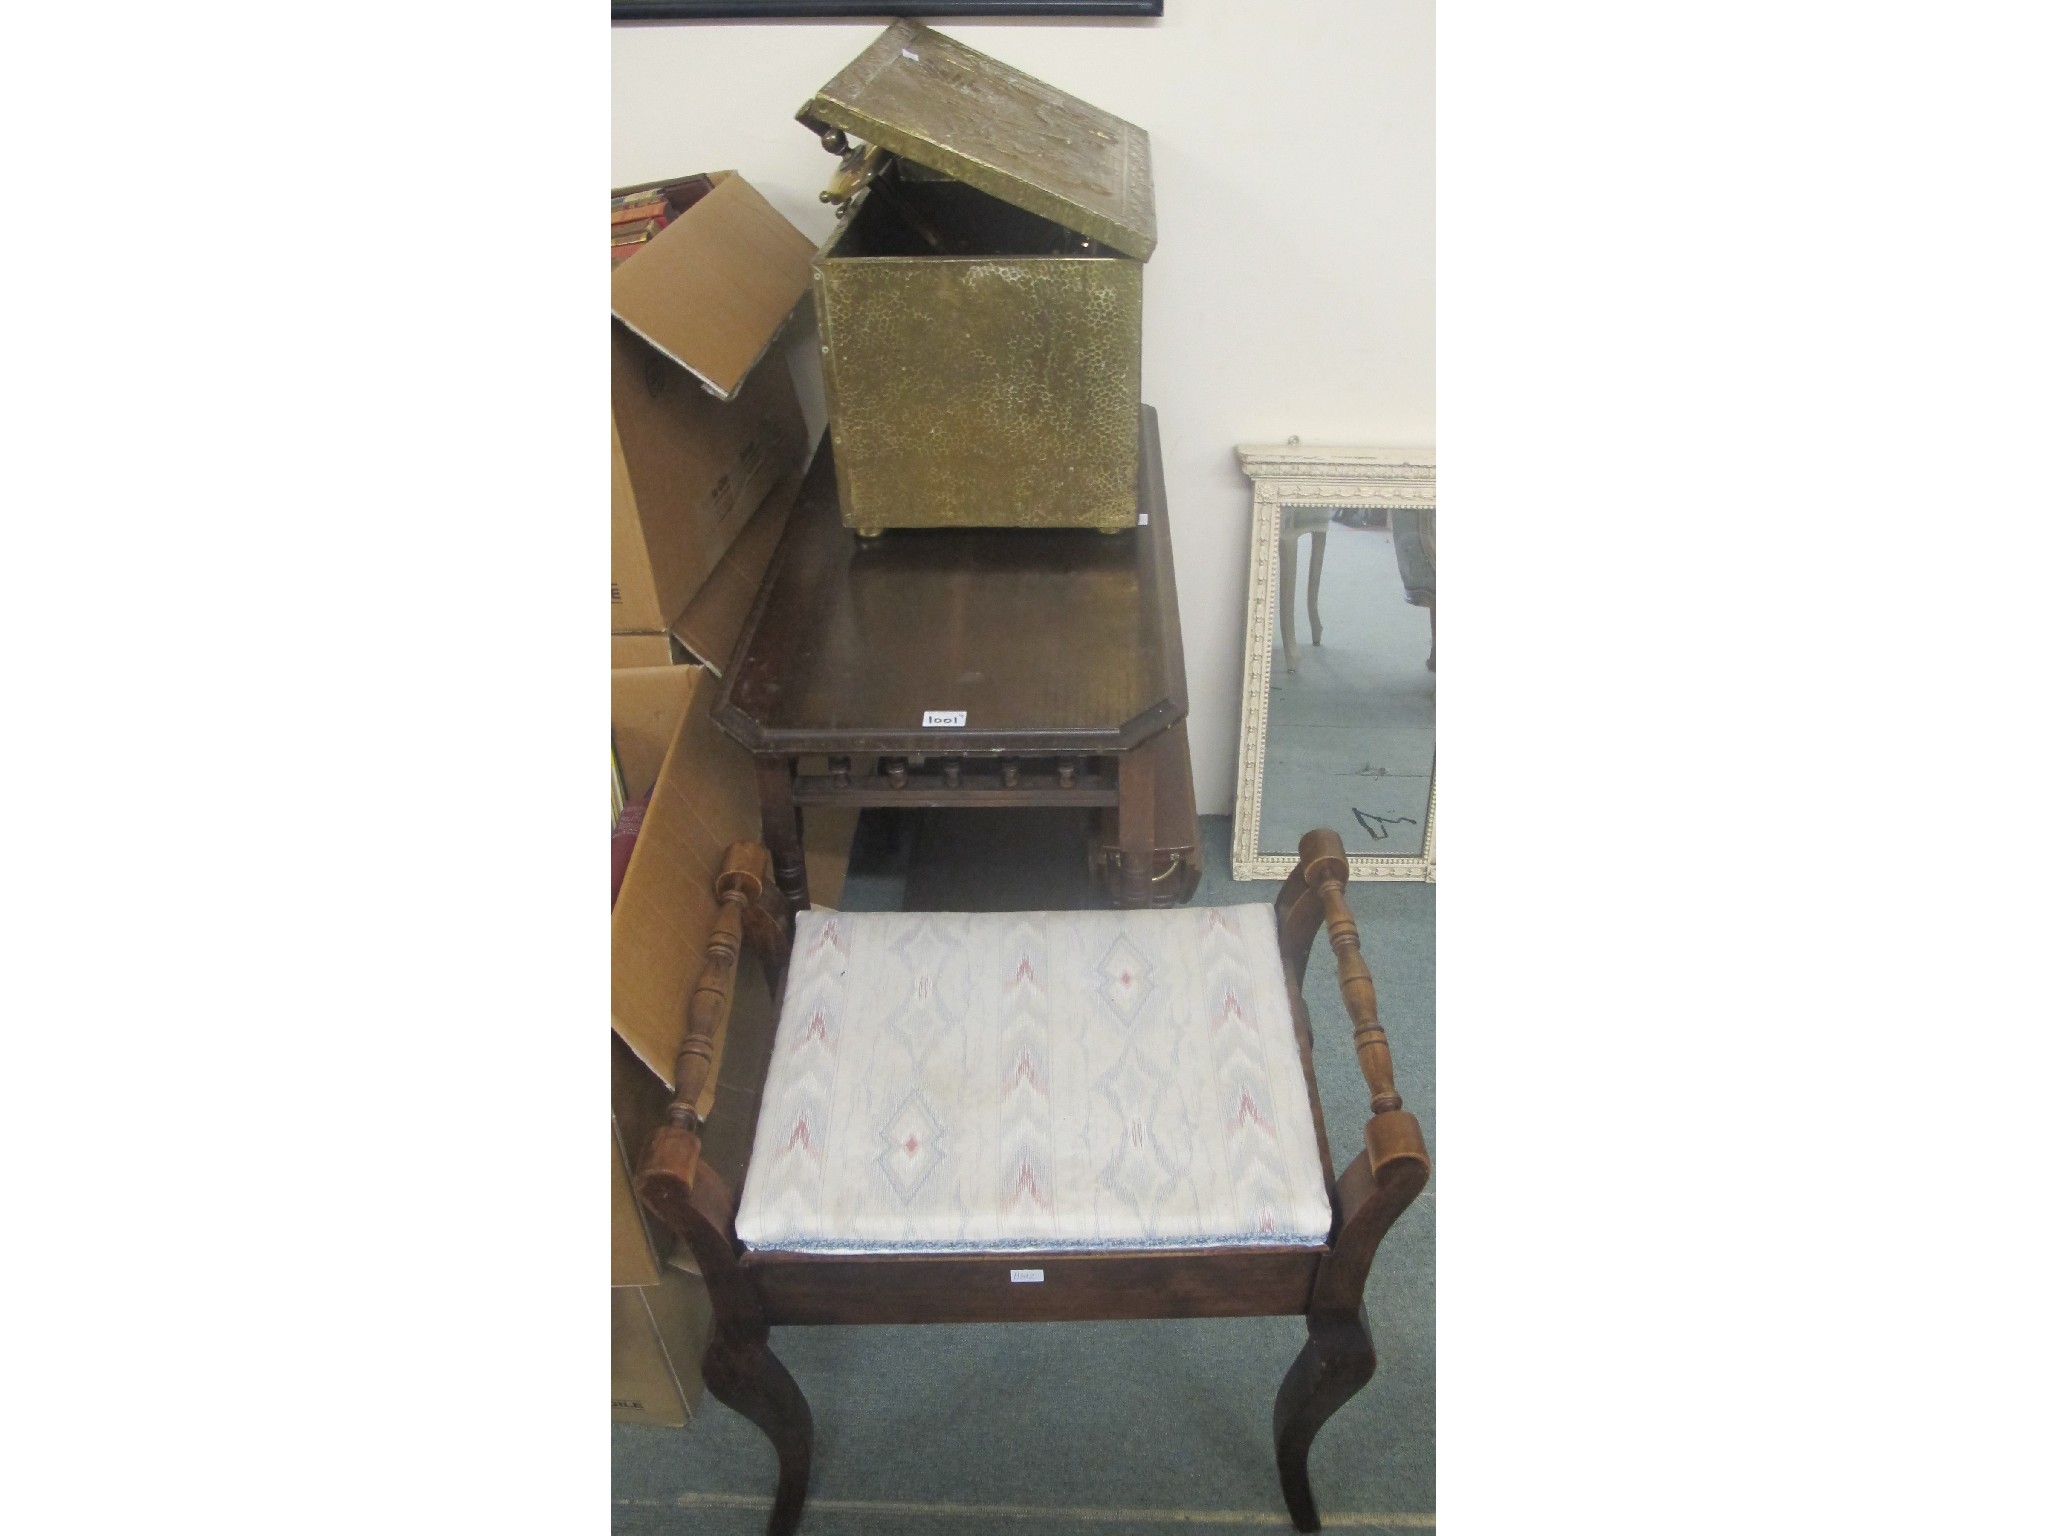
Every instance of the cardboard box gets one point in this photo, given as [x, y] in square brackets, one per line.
[709, 628]
[630, 651]
[648, 703]
[635, 1260]
[705, 414]
[658, 1336]
[704, 800]
[640, 1246]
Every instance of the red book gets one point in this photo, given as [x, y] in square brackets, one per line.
[624, 835]
[640, 206]
[640, 229]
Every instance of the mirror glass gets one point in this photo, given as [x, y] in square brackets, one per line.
[1351, 703]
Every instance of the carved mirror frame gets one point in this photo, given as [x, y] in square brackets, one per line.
[1290, 475]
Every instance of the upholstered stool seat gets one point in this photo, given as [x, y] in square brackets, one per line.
[968, 1083]
[1023, 1117]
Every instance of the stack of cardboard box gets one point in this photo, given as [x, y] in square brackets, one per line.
[709, 445]
[709, 441]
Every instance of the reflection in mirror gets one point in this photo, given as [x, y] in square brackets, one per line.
[1340, 661]
[1351, 723]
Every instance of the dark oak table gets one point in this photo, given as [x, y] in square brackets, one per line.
[1061, 648]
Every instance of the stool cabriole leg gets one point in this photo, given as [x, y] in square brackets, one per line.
[1335, 1363]
[1373, 1190]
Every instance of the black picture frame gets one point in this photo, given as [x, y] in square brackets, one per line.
[849, 10]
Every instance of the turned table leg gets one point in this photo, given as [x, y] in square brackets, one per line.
[782, 827]
[1134, 824]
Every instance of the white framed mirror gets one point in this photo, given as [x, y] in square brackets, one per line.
[1339, 721]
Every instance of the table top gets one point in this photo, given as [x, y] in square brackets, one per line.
[1050, 640]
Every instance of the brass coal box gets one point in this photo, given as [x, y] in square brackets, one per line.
[979, 302]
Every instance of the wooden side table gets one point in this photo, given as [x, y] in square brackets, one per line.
[961, 667]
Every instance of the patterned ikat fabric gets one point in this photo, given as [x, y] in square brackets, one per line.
[962, 1082]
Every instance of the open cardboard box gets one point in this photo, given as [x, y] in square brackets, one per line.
[659, 1333]
[706, 419]
[709, 628]
[704, 800]
[661, 1316]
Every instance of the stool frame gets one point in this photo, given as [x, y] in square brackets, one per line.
[754, 1292]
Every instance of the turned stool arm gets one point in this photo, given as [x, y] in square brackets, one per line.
[1381, 1181]
[689, 1197]
[671, 1181]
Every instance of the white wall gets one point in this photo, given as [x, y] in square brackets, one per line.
[1293, 291]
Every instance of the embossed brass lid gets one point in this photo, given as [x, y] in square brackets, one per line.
[919, 94]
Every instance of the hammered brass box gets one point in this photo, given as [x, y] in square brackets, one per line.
[979, 302]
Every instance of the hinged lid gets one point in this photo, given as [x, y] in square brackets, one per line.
[938, 103]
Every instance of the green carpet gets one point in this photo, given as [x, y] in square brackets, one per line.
[1032, 1429]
